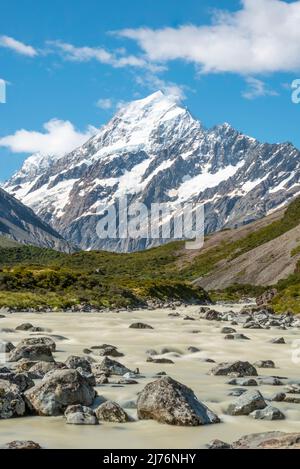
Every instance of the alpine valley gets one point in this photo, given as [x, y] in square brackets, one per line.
[153, 150]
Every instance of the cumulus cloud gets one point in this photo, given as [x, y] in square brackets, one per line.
[116, 59]
[153, 83]
[257, 88]
[59, 137]
[262, 36]
[104, 103]
[17, 46]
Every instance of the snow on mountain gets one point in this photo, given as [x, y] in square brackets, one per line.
[153, 150]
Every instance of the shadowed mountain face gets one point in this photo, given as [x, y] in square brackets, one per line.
[153, 150]
[19, 223]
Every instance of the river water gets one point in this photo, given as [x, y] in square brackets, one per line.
[86, 329]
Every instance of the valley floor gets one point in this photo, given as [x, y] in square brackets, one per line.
[84, 330]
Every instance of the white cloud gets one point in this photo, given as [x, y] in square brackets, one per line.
[257, 88]
[153, 83]
[17, 46]
[116, 59]
[59, 138]
[263, 36]
[104, 103]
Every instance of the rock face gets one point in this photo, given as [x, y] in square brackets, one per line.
[11, 401]
[31, 352]
[110, 411]
[57, 391]
[237, 368]
[80, 415]
[21, 224]
[155, 151]
[247, 403]
[168, 401]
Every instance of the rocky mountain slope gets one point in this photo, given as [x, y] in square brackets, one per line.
[153, 150]
[19, 223]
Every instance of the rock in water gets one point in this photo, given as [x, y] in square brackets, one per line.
[247, 403]
[110, 411]
[80, 415]
[57, 391]
[39, 341]
[265, 364]
[171, 402]
[237, 368]
[11, 401]
[17, 444]
[268, 413]
[140, 325]
[112, 367]
[31, 352]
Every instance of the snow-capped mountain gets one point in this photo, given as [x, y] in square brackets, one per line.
[153, 150]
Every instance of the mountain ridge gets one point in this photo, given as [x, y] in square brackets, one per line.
[153, 150]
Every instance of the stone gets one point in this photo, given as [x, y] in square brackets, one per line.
[160, 360]
[270, 381]
[11, 401]
[236, 337]
[110, 351]
[19, 444]
[278, 340]
[140, 325]
[238, 368]
[57, 390]
[218, 444]
[268, 413]
[74, 362]
[21, 380]
[247, 403]
[40, 369]
[168, 401]
[227, 330]
[278, 397]
[6, 347]
[237, 392]
[26, 326]
[264, 364]
[80, 415]
[112, 367]
[292, 388]
[242, 382]
[110, 411]
[39, 341]
[193, 349]
[31, 352]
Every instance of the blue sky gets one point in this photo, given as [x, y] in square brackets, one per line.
[76, 61]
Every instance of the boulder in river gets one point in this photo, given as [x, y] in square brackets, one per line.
[168, 401]
[264, 364]
[11, 401]
[278, 340]
[238, 369]
[112, 367]
[31, 352]
[110, 411]
[74, 362]
[58, 390]
[247, 403]
[80, 415]
[140, 325]
[268, 413]
[39, 341]
[19, 444]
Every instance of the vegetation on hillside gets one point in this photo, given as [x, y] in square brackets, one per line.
[32, 276]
